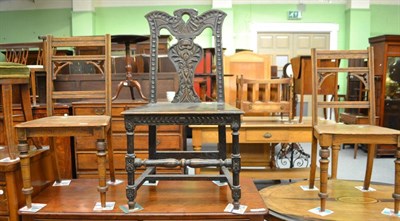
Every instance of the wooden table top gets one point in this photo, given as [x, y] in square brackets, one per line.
[169, 199]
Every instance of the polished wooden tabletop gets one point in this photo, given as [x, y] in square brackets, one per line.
[172, 200]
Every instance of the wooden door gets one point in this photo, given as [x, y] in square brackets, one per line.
[283, 46]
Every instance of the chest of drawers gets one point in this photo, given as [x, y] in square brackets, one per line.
[169, 137]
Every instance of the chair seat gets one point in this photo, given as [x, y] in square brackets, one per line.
[67, 122]
[184, 109]
[13, 70]
[354, 129]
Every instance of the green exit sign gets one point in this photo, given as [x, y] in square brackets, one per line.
[294, 15]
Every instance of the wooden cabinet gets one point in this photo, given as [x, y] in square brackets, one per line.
[387, 72]
[169, 137]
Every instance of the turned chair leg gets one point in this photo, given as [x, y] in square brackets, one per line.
[324, 164]
[313, 166]
[101, 163]
[27, 188]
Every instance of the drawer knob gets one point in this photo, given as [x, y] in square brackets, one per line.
[267, 135]
[1, 192]
[99, 111]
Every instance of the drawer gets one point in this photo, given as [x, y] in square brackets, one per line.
[270, 135]
[164, 142]
[97, 109]
[118, 125]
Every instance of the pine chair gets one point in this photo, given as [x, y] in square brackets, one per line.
[97, 126]
[186, 108]
[265, 96]
[333, 135]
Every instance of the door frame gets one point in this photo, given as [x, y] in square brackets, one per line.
[330, 28]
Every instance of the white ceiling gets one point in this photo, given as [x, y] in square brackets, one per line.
[6, 5]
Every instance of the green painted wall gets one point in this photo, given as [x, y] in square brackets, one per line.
[385, 19]
[82, 23]
[26, 26]
[22, 26]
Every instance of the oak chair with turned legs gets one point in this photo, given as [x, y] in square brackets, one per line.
[333, 135]
[186, 108]
[97, 126]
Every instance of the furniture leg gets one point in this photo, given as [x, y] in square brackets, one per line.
[136, 84]
[110, 156]
[272, 146]
[33, 86]
[101, 147]
[301, 106]
[196, 143]
[335, 159]
[370, 164]
[355, 150]
[6, 95]
[313, 166]
[236, 192]
[52, 145]
[119, 87]
[131, 190]
[396, 194]
[27, 188]
[324, 164]
[27, 109]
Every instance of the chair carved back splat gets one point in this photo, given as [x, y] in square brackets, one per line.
[185, 54]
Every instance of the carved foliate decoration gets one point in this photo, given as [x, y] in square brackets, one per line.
[177, 119]
[185, 54]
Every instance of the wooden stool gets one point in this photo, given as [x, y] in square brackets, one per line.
[14, 74]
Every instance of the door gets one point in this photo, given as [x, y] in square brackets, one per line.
[285, 45]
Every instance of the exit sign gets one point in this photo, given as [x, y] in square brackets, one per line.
[294, 15]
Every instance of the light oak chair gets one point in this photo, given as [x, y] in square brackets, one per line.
[265, 96]
[333, 135]
[98, 126]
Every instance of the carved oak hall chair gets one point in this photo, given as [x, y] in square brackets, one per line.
[97, 126]
[186, 108]
[333, 135]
